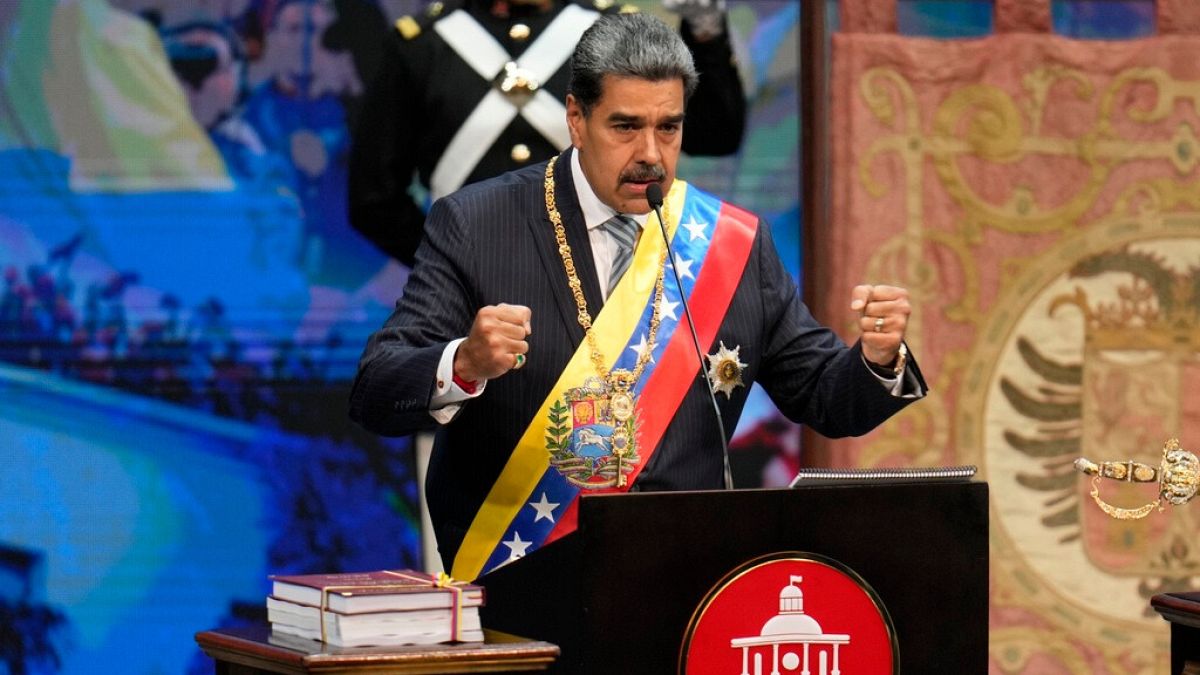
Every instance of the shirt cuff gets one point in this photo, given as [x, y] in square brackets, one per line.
[448, 397]
[900, 383]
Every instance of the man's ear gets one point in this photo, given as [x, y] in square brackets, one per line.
[575, 120]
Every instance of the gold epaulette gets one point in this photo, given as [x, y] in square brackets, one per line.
[602, 5]
[408, 27]
[629, 9]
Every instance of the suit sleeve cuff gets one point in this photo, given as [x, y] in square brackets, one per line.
[448, 397]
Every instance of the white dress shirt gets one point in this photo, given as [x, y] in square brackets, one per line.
[595, 214]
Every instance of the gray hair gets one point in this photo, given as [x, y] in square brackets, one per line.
[628, 45]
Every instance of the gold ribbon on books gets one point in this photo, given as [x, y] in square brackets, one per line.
[440, 581]
[1177, 475]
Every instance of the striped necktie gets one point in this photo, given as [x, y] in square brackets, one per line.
[624, 231]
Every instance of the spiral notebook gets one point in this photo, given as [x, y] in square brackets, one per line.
[916, 474]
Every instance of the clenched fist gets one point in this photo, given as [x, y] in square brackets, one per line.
[883, 318]
[496, 343]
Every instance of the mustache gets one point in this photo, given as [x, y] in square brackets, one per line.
[642, 173]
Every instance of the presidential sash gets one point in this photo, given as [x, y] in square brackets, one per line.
[567, 448]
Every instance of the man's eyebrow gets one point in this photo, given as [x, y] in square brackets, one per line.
[625, 118]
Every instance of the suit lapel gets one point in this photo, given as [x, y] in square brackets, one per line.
[581, 249]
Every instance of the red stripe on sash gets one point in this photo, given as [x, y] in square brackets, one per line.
[567, 522]
[672, 377]
[714, 289]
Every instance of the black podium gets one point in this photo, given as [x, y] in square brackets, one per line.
[618, 594]
[1182, 610]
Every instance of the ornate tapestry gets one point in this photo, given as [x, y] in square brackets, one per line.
[1040, 199]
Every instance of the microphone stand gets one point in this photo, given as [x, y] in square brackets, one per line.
[654, 195]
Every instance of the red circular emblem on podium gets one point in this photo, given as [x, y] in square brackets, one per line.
[790, 612]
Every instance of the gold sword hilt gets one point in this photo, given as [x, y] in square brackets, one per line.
[1177, 475]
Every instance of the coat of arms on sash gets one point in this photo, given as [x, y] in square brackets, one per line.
[587, 445]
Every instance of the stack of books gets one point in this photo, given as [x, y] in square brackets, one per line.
[386, 607]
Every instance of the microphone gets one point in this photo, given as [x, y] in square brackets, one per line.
[654, 195]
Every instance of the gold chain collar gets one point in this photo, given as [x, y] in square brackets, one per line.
[624, 378]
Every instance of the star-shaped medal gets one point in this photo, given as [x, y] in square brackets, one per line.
[725, 370]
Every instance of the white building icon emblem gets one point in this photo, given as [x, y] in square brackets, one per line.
[791, 640]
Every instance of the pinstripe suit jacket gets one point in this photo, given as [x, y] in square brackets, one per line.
[492, 242]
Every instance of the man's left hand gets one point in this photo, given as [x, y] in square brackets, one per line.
[883, 318]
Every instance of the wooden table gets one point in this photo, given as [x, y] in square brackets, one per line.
[254, 650]
[1183, 611]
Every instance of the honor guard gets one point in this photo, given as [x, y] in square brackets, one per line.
[475, 88]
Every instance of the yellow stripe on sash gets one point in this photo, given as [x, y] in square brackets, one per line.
[612, 328]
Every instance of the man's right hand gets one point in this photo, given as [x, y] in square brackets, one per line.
[497, 337]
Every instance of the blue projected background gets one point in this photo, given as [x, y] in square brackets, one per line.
[183, 304]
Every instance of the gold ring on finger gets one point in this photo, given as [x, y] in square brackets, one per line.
[879, 325]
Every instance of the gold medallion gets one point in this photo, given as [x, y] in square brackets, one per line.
[622, 406]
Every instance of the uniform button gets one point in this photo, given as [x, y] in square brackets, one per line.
[519, 32]
[441, 384]
[520, 153]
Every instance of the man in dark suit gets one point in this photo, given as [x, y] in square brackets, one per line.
[544, 331]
